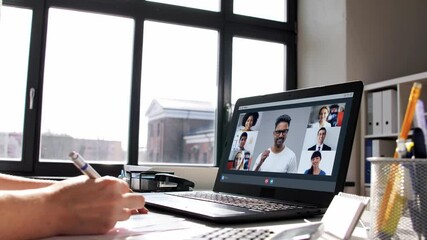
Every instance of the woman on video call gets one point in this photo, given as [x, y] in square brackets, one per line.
[316, 157]
[323, 118]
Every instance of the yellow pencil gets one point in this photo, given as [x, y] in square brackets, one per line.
[393, 201]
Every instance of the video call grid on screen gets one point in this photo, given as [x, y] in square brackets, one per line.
[302, 135]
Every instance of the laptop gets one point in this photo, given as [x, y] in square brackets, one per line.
[271, 167]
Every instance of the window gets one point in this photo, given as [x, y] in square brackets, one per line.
[86, 99]
[257, 63]
[271, 9]
[179, 89]
[212, 5]
[137, 82]
[15, 29]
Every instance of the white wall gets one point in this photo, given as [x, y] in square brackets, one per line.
[366, 40]
[341, 41]
[321, 42]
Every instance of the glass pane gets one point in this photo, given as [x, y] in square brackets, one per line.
[87, 82]
[210, 5]
[15, 31]
[275, 10]
[258, 68]
[178, 94]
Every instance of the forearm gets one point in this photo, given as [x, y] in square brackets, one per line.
[76, 206]
[27, 215]
[9, 182]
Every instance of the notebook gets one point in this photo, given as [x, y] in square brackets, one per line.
[274, 169]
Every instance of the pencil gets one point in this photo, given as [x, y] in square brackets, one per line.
[410, 110]
[393, 201]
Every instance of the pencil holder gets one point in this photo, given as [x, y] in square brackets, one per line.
[398, 203]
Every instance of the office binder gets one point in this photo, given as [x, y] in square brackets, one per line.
[369, 112]
[389, 111]
[368, 153]
[377, 115]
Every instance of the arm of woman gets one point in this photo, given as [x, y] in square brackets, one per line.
[74, 206]
[9, 182]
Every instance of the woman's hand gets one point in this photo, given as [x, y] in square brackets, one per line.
[92, 206]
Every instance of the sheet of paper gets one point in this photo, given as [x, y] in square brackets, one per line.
[138, 226]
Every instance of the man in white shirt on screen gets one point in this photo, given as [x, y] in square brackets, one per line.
[278, 158]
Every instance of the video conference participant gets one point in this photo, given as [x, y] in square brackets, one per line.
[316, 157]
[279, 157]
[249, 120]
[323, 118]
[247, 160]
[333, 115]
[242, 141]
[239, 161]
[320, 146]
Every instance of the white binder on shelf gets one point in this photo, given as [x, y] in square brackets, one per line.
[377, 115]
[389, 111]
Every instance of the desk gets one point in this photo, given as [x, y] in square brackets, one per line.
[160, 226]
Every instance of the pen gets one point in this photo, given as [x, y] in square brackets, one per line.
[83, 166]
[89, 171]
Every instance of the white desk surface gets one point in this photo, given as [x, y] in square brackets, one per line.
[156, 225]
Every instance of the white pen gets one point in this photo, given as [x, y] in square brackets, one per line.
[83, 166]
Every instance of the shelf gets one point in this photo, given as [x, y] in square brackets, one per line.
[394, 82]
[403, 86]
[382, 136]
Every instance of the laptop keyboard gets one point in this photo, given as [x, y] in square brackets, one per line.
[235, 233]
[254, 204]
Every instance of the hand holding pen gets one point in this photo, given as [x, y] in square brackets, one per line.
[89, 171]
[77, 205]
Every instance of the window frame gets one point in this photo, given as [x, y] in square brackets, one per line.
[225, 22]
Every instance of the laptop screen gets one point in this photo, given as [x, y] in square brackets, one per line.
[296, 140]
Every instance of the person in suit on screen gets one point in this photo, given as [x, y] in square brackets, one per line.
[320, 146]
